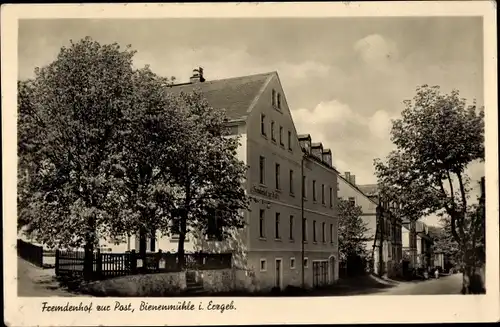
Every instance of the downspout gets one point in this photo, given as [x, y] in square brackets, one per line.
[302, 220]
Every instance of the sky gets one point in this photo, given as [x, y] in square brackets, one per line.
[344, 78]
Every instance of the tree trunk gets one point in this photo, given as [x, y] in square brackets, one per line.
[88, 261]
[142, 247]
[180, 245]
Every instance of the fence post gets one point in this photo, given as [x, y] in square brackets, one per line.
[57, 262]
[133, 262]
[99, 264]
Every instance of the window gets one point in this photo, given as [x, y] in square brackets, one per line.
[292, 263]
[291, 182]
[323, 193]
[304, 230]
[314, 230]
[306, 262]
[289, 140]
[277, 226]
[277, 176]
[262, 169]
[263, 265]
[331, 197]
[261, 223]
[290, 236]
[214, 231]
[331, 233]
[272, 131]
[279, 101]
[304, 194]
[263, 124]
[274, 98]
[323, 231]
[314, 190]
[281, 135]
[352, 201]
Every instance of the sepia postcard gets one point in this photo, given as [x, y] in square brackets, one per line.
[250, 163]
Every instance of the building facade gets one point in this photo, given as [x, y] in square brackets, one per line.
[417, 245]
[388, 244]
[348, 190]
[290, 236]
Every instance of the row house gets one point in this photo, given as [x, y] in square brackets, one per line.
[417, 245]
[388, 238]
[290, 237]
[348, 190]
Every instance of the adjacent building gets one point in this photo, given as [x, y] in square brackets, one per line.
[348, 190]
[291, 232]
[388, 238]
[417, 245]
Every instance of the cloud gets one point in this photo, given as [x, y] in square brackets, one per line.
[380, 124]
[377, 51]
[355, 139]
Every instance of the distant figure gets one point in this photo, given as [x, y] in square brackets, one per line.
[436, 273]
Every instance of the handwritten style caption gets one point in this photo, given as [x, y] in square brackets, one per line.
[142, 306]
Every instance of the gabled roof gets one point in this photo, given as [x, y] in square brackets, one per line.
[369, 189]
[235, 95]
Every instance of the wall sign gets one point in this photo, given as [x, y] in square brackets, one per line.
[263, 191]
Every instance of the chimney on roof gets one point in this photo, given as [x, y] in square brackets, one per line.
[347, 176]
[353, 179]
[197, 76]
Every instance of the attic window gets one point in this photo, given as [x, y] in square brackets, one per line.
[279, 101]
[274, 98]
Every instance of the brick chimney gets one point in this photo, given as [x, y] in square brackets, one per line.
[347, 176]
[197, 76]
[353, 179]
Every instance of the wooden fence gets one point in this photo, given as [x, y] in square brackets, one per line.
[108, 265]
[30, 252]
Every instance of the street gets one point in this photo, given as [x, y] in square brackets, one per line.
[35, 281]
[444, 285]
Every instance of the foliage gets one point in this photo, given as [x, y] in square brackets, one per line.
[352, 230]
[206, 184]
[436, 138]
[443, 241]
[107, 150]
[70, 115]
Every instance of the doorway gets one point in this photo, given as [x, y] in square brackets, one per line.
[332, 269]
[278, 281]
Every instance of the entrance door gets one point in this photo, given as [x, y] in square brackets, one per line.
[278, 272]
[332, 269]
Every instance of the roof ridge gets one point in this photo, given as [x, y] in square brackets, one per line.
[226, 79]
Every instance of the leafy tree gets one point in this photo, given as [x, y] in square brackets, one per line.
[352, 231]
[149, 133]
[206, 184]
[71, 115]
[438, 136]
[443, 241]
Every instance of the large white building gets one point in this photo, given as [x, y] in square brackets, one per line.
[271, 250]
